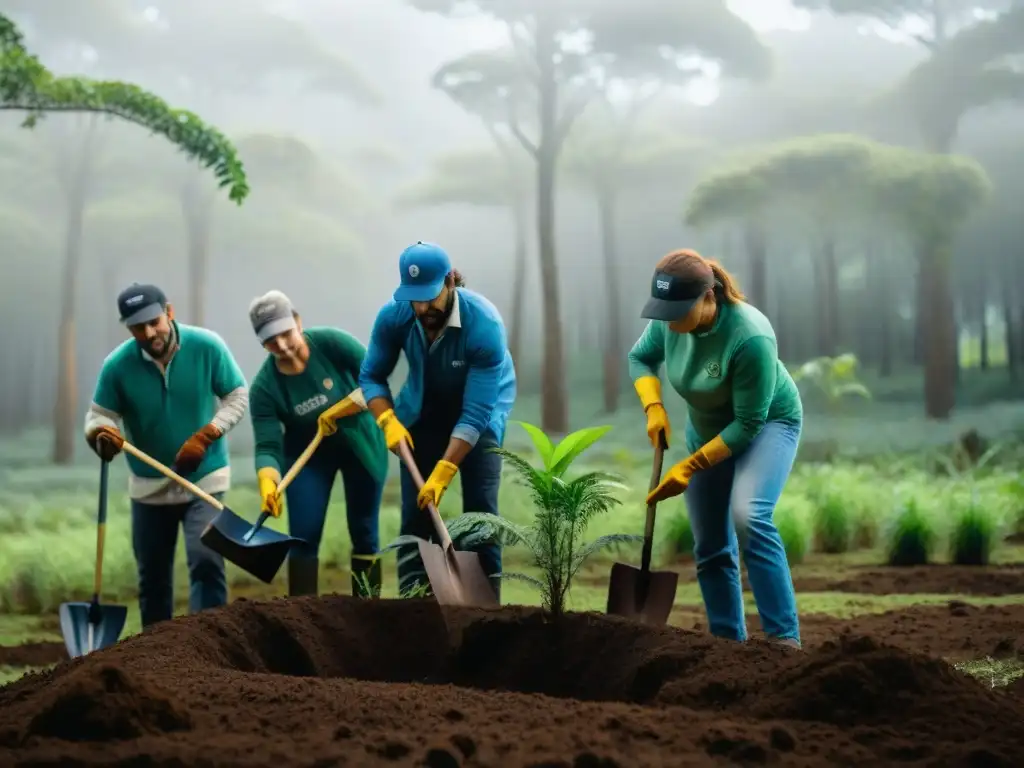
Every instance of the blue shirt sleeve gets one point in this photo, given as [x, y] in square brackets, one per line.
[382, 353]
[485, 357]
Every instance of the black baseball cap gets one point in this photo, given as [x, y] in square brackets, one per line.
[141, 303]
[680, 279]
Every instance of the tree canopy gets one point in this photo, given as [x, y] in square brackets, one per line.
[481, 177]
[27, 86]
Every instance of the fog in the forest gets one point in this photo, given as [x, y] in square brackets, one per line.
[354, 149]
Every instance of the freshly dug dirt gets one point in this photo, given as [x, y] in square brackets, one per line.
[335, 681]
[954, 630]
[32, 654]
[990, 580]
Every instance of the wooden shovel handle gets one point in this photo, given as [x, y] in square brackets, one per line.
[659, 463]
[170, 473]
[410, 464]
[300, 462]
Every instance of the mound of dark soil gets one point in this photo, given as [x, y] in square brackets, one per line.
[335, 681]
[989, 580]
[32, 654]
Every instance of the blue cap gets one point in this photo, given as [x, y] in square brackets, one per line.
[423, 268]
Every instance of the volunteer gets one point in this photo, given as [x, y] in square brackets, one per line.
[745, 419]
[310, 378]
[456, 399]
[163, 386]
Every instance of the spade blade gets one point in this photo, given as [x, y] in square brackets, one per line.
[78, 631]
[260, 553]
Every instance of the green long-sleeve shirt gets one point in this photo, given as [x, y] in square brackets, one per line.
[730, 376]
[284, 409]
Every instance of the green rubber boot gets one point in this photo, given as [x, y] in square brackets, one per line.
[366, 574]
[303, 573]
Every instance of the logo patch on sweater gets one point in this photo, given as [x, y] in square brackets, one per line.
[713, 369]
[328, 384]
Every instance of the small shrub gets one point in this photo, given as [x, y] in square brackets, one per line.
[865, 528]
[795, 530]
[974, 535]
[833, 527]
[679, 535]
[912, 537]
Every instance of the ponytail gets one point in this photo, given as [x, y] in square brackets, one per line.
[727, 288]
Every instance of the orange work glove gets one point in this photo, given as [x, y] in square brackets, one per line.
[394, 431]
[437, 484]
[191, 453]
[107, 442]
[677, 479]
[649, 390]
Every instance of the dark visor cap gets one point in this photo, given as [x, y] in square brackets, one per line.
[673, 297]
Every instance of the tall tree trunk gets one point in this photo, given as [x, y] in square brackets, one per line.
[757, 254]
[613, 356]
[827, 277]
[1013, 343]
[984, 342]
[515, 331]
[65, 407]
[940, 372]
[554, 407]
[884, 314]
[196, 208]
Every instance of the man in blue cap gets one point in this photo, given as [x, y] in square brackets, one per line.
[456, 399]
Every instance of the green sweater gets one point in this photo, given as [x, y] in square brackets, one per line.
[284, 409]
[730, 376]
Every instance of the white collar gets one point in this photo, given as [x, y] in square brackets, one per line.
[455, 318]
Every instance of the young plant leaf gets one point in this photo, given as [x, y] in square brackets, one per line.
[541, 442]
[572, 446]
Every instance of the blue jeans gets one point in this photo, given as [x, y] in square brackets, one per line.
[154, 541]
[480, 474]
[310, 494]
[738, 496]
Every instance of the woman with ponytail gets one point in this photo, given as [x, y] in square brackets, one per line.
[741, 436]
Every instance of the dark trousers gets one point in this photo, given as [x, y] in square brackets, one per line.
[310, 494]
[155, 540]
[480, 475]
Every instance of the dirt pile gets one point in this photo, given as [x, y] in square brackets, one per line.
[991, 580]
[334, 681]
[32, 654]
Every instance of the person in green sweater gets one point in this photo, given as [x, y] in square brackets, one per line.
[743, 428]
[309, 381]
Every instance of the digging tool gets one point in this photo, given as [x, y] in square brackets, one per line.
[456, 578]
[640, 593]
[88, 627]
[253, 548]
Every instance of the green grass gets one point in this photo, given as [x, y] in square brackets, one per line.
[996, 673]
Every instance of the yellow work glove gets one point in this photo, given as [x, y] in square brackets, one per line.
[649, 389]
[436, 484]
[677, 479]
[327, 423]
[394, 431]
[270, 502]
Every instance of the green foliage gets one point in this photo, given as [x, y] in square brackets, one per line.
[974, 535]
[833, 527]
[27, 86]
[795, 528]
[563, 511]
[912, 537]
[679, 536]
[833, 378]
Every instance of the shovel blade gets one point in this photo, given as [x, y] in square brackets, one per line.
[457, 578]
[649, 601]
[82, 637]
[263, 553]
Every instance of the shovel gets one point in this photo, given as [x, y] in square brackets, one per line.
[456, 578]
[252, 548]
[639, 593]
[88, 627]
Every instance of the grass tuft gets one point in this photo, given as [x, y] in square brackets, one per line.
[974, 536]
[912, 537]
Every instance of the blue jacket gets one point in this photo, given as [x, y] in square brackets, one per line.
[475, 361]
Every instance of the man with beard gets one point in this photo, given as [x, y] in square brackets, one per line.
[309, 381]
[456, 399]
[177, 390]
